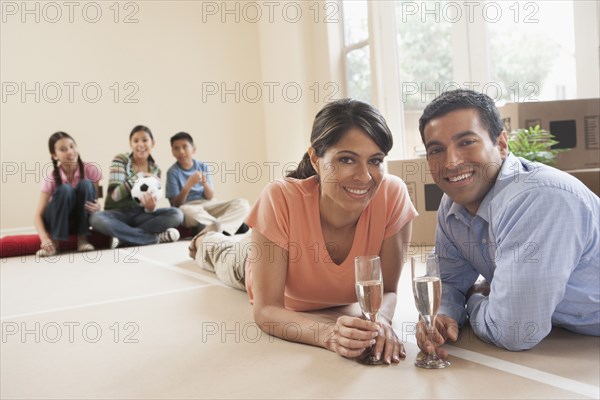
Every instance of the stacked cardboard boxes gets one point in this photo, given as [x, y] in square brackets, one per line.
[424, 194]
[574, 123]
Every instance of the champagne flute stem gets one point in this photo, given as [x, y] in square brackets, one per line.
[430, 331]
[428, 322]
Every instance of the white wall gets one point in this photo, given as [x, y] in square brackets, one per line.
[173, 55]
[587, 47]
[296, 56]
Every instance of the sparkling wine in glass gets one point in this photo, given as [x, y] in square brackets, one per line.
[369, 292]
[427, 290]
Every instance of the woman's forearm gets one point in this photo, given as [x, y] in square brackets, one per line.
[388, 307]
[293, 326]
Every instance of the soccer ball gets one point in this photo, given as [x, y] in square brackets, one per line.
[146, 184]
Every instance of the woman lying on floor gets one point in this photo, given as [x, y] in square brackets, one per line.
[307, 230]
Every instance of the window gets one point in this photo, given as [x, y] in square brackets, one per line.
[401, 54]
[542, 65]
[357, 57]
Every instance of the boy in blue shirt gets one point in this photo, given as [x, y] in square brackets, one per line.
[189, 187]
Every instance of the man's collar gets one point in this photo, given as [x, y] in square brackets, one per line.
[510, 166]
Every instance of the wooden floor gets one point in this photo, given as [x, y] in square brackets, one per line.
[146, 323]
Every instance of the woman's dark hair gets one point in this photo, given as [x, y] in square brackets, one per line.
[461, 99]
[141, 128]
[337, 118]
[51, 143]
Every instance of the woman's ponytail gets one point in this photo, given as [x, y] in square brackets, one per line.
[304, 169]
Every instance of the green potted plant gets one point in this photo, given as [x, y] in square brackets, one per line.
[534, 144]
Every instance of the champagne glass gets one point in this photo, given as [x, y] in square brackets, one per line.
[369, 291]
[427, 290]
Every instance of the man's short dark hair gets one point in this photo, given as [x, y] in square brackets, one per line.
[464, 99]
[182, 136]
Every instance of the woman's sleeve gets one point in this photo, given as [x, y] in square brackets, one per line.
[270, 215]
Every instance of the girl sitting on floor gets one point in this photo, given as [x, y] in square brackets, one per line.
[67, 197]
[123, 218]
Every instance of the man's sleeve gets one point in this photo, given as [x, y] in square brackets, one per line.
[457, 274]
[539, 237]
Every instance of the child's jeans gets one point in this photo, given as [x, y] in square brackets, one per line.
[67, 208]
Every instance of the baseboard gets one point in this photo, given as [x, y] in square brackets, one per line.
[27, 230]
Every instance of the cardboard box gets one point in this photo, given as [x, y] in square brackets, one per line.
[589, 177]
[574, 123]
[424, 194]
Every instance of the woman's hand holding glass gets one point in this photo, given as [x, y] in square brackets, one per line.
[388, 347]
[353, 336]
[369, 292]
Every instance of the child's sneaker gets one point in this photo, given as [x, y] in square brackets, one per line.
[84, 245]
[170, 235]
[114, 243]
[47, 251]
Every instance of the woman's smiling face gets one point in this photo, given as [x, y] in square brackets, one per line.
[350, 171]
[141, 144]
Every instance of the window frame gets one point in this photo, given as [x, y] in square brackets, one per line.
[468, 38]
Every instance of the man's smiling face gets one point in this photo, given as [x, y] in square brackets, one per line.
[462, 157]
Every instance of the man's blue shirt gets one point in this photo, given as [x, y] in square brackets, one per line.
[535, 239]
